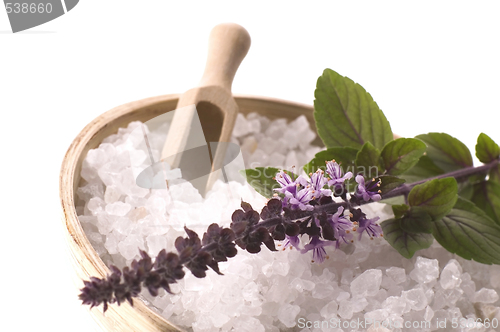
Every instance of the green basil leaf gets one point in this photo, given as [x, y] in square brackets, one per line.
[436, 197]
[346, 115]
[486, 149]
[405, 243]
[424, 169]
[468, 232]
[389, 182]
[262, 179]
[345, 157]
[402, 154]
[368, 161]
[447, 152]
[416, 220]
[486, 195]
[495, 174]
[399, 210]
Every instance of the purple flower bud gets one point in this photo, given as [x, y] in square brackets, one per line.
[370, 227]
[367, 191]
[342, 227]
[337, 178]
[317, 246]
[318, 181]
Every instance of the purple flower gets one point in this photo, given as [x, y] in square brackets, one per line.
[342, 227]
[318, 181]
[367, 191]
[370, 227]
[287, 184]
[300, 200]
[317, 245]
[337, 178]
[291, 241]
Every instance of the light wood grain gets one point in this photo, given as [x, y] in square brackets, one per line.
[87, 262]
[213, 101]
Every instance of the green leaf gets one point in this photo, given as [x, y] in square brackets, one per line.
[402, 154]
[343, 156]
[368, 161]
[468, 232]
[447, 152]
[416, 220]
[495, 174]
[346, 114]
[424, 169]
[405, 243]
[262, 180]
[389, 182]
[486, 195]
[436, 197]
[486, 149]
[400, 210]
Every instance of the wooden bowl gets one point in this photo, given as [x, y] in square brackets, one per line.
[86, 261]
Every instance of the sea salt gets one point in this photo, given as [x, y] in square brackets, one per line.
[268, 291]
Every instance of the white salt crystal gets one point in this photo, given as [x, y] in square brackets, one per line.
[345, 309]
[452, 295]
[241, 126]
[429, 313]
[207, 300]
[96, 158]
[291, 159]
[292, 138]
[254, 126]
[305, 139]
[378, 315]
[347, 276]
[111, 244]
[137, 157]
[415, 298]
[367, 284]
[426, 270]
[394, 305]
[329, 310]
[287, 314]
[105, 222]
[322, 291]
[241, 269]
[218, 318]
[378, 328]
[250, 292]
[231, 294]
[343, 296]
[277, 160]
[397, 274]
[450, 276]
[129, 247]
[358, 304]
[246, 323]
[259, 159]
[269, 145]
[95, 205]
[112, 194]
[156, 243]
[486, 295]
[118, 209]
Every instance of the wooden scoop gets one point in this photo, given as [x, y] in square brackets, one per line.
[213, 102]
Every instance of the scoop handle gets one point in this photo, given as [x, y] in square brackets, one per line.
[228, 45]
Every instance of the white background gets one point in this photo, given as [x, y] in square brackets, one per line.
[430, 66]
